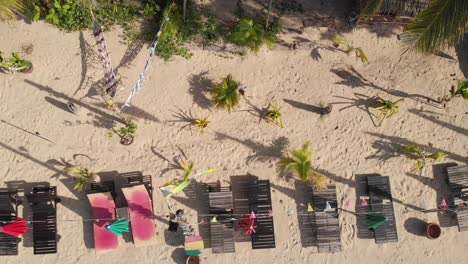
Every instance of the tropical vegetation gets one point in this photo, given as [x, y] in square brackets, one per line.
[299, 162]
[348, 48]
[226, 93]
[15, 63]
[274, 114]
[252, 35]
[10, 8]
[387, 109]
[82, 176]
[442, 24]
[420, 155]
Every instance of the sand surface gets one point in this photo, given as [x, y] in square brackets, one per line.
[345, 143]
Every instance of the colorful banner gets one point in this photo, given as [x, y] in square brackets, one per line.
[139, 83]
[110, 82]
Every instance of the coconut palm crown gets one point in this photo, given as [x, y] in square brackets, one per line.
[226, 94]
[442, 24]
[299, 163]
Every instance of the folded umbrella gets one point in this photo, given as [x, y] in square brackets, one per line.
[118, 227]
[15, 228]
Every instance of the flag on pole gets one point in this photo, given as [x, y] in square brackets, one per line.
[309, 208]
[110, 82]
[153, 47]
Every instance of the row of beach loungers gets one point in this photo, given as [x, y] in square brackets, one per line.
[318, 212]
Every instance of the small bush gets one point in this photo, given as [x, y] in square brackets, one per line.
[252, 35]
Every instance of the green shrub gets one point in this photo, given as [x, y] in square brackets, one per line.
[252, 35]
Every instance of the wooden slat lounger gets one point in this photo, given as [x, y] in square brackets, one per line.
[43, 202]
[458, 179]
[260, 204]
[8, 213]
[381, 202]
[222, 233]
[327, 222]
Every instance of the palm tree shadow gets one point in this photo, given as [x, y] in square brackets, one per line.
[306, 107]
[199, 86]
[262, 152]
[352, 78]
[392, 144]
[435, 119]
[174, 164]
[184, 117]
[362, 102]
[255, 111]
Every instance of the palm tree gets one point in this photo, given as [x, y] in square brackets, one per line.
[299, 162]
[442, 24]
[10, 8]
[226, 94]
[252, 35]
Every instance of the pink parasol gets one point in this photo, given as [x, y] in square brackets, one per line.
[15, 228]
[247, 222]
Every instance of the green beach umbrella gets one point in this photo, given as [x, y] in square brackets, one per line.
[375, 220]
[118, 227]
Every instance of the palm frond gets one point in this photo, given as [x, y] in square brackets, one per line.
[443, 23]
[10, 8]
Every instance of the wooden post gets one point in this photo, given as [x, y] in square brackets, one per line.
[185, 9]
[268, 15]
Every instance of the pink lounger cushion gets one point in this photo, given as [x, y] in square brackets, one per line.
[141, 214]
[103, 207]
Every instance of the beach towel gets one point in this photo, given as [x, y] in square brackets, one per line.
[141, 214]
[103, 207]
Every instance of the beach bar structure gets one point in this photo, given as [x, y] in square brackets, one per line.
[391, 11]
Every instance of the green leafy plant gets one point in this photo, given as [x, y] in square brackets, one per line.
[442, 24]
[15, 63]
[82, 176]
[358, 52]
[226, 94]
[10, 8]
[252, 35]
[128, 130]
[187, 167]
[70, 15]
[417, 153]
[274, 114]
[201, 123]
[461, 90]
[387, 109]
[299, 163]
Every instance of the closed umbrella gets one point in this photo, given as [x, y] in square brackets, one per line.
[118, 227]
[15, 228]
[375, 220]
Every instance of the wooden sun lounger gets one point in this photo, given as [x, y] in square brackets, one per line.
[362, 193]
[307, 222]
[260, 204]
[327, 222]
[103, 206]
[381, 202]
[458, 179]
[222, 233]
[139, 195]
[8, 213]
[43, 201]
